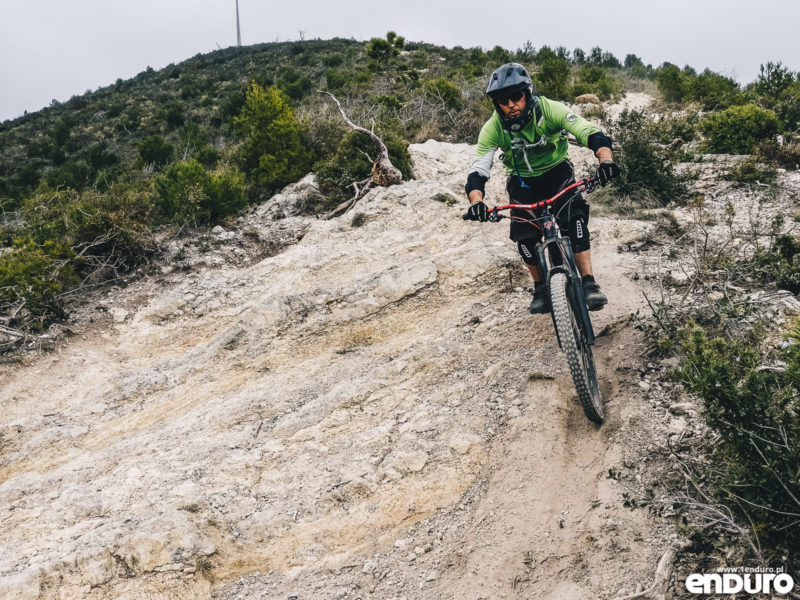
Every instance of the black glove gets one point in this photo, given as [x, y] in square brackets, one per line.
[477, 212]
[607, 170]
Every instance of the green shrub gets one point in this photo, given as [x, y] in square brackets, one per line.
[100, 158]
[784, 155]
[442, 90]
[711, 90]
[772, 82]
[752, 171]
[274, 151]
[207, 156]
[68, 238]
[738, 129]
[780, 263]
[670, 83]
[350, 163]
[155, 151]
[187, 193]
[646, 173]
[72, 174]
[595, 80]
[35, 275]
[756, 414]
[114, 224]
[380, 50]
[172, 114]
[683, 127]
[332, 60]
[293, 84]
[552, 78]
[335, 79]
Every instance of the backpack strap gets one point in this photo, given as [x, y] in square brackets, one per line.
[538, 116]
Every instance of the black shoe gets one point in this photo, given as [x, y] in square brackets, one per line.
[595, 298]
[540, 304]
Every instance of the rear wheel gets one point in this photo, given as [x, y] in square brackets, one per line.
[578, 351]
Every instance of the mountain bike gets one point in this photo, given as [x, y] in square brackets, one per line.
[567, 302]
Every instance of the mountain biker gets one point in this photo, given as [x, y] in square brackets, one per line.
[531, 131]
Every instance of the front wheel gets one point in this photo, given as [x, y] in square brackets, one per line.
[574, 345]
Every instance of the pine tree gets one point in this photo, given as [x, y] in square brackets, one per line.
[274, 152]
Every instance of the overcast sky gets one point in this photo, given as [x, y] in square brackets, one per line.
[54, 49]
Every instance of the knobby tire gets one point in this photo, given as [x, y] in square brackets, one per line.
[573, 343]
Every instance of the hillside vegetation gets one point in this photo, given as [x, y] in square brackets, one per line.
[83, 184]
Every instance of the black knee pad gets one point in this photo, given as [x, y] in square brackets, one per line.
[579, 234]
[527, 251]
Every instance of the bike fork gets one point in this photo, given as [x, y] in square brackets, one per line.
[574, 280]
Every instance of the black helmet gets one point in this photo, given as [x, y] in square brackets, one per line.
[505, 81]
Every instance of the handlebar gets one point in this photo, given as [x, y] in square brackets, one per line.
[589, 184]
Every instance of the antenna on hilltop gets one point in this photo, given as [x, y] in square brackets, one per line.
[238, 29]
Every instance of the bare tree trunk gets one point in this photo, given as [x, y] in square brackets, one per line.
[384, 173]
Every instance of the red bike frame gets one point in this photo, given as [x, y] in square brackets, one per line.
[588, 183]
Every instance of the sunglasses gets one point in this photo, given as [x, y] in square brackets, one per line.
[512, 97]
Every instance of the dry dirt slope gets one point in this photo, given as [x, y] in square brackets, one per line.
[370, 414]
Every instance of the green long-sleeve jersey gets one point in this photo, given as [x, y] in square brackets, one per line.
[538, 147]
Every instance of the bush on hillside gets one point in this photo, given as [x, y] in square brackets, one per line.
[785, 155]
[353, 161]
[752, 170]
[274, 151]
[155, 151]
[552, 78]
[738, 129]
[670, 83]
[681, 127]
[756, 414]
[114, 224]
[187, 193]
[711, 90]
[780, 263]
[596, 80]
[443, 92]
[646, 174]
[71, 237]
[772, 82]
[33, 276]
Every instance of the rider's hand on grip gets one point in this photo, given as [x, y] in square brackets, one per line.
[607, 170]
[477, 212]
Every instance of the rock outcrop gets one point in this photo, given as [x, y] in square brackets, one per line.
[369, 411]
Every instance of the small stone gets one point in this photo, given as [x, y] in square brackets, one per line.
[683, 408]
[677, 426]
[461, 443]
[411, 557]
[432, 576]
[419, 550]
[369, 567]
[118, 314]
[672, 362]
[644, 385]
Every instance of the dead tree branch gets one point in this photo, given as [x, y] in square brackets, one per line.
[384, 173]
[663, 574]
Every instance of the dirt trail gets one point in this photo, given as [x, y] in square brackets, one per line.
[370, 414]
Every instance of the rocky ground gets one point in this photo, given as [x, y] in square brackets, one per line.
[368, 412]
